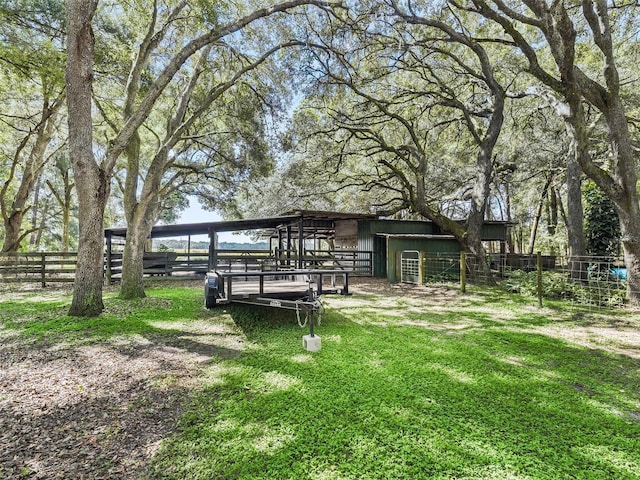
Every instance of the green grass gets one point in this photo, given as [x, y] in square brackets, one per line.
[475, 386]
[45, 318]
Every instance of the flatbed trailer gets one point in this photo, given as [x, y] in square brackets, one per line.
[286, 289]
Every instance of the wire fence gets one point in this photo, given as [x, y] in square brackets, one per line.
[599, 281]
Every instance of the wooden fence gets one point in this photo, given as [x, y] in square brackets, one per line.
[56, 267]
[162, 265]
[40, 267]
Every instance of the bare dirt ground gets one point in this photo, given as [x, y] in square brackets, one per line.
[97, 411]
[100, 411]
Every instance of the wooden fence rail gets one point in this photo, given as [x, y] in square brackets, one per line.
[58, 267]
[41, 267]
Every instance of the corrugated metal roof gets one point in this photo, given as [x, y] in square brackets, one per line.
[291, 218]
[205, 227]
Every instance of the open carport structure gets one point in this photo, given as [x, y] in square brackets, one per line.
[300, 239]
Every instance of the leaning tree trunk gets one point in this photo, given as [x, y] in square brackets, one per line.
[34, 163]
[627, 200]
[93, 187]
[481, 188]
[620, 186]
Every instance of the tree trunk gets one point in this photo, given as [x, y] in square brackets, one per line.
[34, 239]
[627, 201]
[620, 184]
[92, 199]
[34, 163]
[536, 218]
[473, 240]
[630, 229]
[132, 285]
[65, 201]
[575, 219]
[42, 226]
[142, 218]
[93, 189]
[12, 236]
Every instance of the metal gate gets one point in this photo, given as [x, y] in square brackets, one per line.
[410, 267]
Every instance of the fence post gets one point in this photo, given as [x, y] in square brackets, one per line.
[421, 260]
[463, 272]
[43, 266]
[539, 270]
[107, 269]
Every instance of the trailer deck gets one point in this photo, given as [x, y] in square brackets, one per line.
[286, 289]
[247, 287]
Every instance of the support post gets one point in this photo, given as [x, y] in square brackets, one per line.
[301, 243]
[539, 270]
[463, 272]
[288, 245]
[43, 267]
[279, 250]
[108, 272]
[213, 259]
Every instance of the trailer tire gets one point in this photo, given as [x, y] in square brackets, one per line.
[209, 298]
[210, 301]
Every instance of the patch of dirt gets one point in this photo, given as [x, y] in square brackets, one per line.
[617, 334]
[380, 287]
[618, 340]
[97, 411]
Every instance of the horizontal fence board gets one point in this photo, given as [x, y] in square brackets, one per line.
[52, 267]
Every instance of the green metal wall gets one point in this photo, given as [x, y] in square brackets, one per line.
[430, 246]
[494, 231]
[386, 256]
[399, 226]
[368, 240]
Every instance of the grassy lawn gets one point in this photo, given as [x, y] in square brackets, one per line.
[425, 383]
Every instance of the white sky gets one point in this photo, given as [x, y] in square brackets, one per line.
[195, 214]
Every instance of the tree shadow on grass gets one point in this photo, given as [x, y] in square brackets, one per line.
[93, 398]
[405, 401]
[131, 326]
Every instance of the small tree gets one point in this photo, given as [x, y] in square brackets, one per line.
[602, 225]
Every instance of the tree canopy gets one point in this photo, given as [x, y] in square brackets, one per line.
[450, 110]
